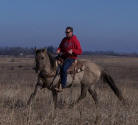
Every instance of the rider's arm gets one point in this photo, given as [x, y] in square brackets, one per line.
[77, 50]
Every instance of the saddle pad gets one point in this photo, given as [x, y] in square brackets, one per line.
[76, 67]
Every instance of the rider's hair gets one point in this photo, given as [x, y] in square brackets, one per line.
[69, 27]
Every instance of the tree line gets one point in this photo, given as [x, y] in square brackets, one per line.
[23, 51]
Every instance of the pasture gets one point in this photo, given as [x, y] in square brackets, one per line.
[17, 81]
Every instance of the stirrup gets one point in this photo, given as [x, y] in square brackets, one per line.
[59, 89]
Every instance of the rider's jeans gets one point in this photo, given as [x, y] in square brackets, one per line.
[67, 63]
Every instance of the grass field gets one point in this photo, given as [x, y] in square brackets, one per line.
[17, 81]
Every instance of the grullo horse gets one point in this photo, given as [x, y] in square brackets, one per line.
[88, 78]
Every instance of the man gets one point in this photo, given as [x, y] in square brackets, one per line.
[69, 48]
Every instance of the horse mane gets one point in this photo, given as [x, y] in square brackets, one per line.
[52, 60]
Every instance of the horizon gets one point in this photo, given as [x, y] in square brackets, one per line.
[84, 51]
[99, 25]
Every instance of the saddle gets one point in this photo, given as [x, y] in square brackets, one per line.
[76, 67]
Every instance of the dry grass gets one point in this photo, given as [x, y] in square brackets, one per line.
[17, 81]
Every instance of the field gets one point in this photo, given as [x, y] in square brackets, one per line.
[17, 81]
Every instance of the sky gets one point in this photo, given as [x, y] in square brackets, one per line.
[107, 25]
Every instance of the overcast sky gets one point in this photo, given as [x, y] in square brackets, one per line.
[99, 24]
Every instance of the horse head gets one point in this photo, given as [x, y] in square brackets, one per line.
[41, 59]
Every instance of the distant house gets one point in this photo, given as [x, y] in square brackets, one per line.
[21, 54]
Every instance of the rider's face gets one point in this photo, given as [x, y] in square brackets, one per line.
[68, 33]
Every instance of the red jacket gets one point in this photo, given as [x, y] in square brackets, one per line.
[68, 44]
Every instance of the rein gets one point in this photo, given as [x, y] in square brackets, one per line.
[44, 74]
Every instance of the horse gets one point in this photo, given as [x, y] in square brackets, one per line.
[46, 65]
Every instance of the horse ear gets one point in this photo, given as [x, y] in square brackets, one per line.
[35, 49]
[44, 50]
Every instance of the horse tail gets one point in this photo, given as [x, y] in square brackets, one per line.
[106, 77]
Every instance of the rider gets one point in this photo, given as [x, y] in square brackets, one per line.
[69, 48]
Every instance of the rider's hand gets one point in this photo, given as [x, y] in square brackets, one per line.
[70, 51]
[58, 51]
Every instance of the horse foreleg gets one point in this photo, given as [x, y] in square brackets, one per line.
[54, 93]
[33, 94]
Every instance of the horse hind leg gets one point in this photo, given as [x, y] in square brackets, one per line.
[83, 94]
[93, 94]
